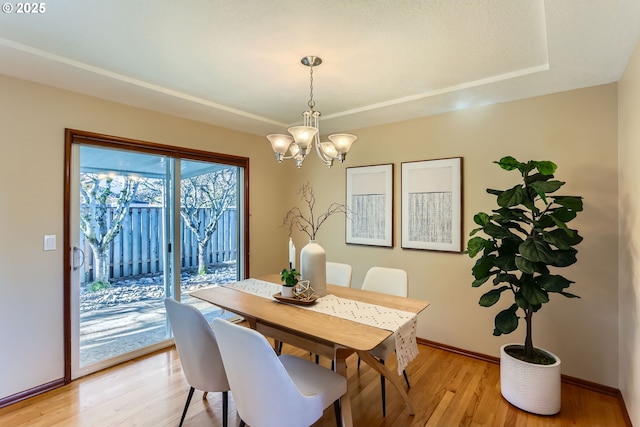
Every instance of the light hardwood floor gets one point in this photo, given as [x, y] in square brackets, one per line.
[447, 390]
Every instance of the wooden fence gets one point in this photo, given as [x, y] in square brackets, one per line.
[137, 249]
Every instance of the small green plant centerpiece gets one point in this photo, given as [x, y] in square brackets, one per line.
[526, 237]
[289, 279]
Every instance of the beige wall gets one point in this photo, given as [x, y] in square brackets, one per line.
[33, 118]
[577, 130]
[629, 172]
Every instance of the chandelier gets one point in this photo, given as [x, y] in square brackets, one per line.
[303, 138]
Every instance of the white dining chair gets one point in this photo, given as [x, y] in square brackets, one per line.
[271, 390]
[339, 274]
[391, 281]
[199, 354]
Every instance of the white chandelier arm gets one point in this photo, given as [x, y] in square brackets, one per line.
[292, 155]
[326, 150]
[312, 118]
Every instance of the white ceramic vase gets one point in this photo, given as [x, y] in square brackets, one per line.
[313, 267]
[533, 388]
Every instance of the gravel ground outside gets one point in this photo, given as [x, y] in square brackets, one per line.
[130, 314]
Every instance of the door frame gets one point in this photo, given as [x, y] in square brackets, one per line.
[73, 136]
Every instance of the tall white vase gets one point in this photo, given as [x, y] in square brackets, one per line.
[313, 267]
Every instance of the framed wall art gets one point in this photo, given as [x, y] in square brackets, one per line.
[370, 205]
[432, 205]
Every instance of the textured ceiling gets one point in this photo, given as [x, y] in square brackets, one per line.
[236, 63]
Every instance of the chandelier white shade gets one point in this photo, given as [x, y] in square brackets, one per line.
[303, 138]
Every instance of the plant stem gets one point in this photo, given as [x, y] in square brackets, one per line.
[528, 342]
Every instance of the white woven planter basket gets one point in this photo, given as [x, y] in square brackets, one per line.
[532, 388]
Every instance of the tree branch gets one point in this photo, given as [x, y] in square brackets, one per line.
[310, 224]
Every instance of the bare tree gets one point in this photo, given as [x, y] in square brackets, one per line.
[100, 194]
[214, 191]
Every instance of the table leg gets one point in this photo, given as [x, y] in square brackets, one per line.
[393, 379]
[252, 322]
[340, 363]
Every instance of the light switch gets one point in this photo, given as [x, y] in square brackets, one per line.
[50, 242]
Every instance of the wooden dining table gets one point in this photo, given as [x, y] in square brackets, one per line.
[329, 336]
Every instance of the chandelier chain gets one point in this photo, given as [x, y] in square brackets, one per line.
[311, 102]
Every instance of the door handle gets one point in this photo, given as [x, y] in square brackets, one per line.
[78, 255]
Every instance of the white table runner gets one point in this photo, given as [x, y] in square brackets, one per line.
[401, 323]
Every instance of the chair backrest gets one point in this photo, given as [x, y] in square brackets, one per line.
[392, 281]
[263, 391]
[339, 274]
[197, 347]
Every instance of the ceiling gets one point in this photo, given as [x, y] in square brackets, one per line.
[236, 63]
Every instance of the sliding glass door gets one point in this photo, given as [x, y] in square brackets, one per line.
[208, 198]
[143, 227]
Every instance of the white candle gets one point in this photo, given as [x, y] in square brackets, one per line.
[293, 257]
[292, 254]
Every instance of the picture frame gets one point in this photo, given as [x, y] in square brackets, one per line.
[369, 202]
[432, 204]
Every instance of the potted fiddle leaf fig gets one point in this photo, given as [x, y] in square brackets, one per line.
[519, 246]
[289, 281]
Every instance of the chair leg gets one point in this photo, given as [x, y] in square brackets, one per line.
[205, 394]
[384, 393]
[338, 411]
[317, 359]
[384, 403]
[225, 408]
[186, 406]
[383, 388]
